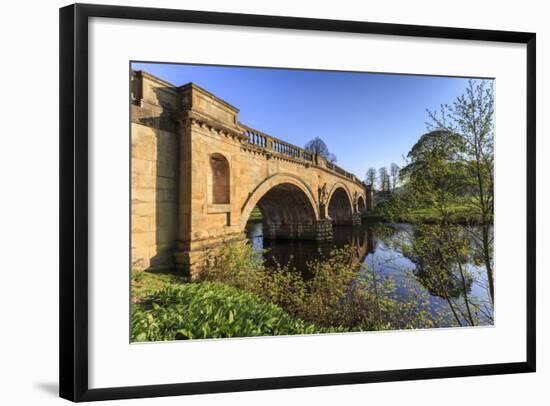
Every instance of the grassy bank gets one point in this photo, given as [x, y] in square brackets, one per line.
[168, 307]
[144, 283]
[237, 296]
[211, 310]
[455, 214]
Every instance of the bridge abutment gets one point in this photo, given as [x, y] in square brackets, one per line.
[353, 219]
[193, 256]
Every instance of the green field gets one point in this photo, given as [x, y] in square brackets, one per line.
[458, 214]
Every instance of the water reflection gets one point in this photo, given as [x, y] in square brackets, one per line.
[297, 253]
[436, 264]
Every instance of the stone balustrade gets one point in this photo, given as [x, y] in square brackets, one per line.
[275, 145]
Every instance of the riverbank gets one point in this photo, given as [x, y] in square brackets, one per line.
[239, 296]
[456, 214]
[167, 306]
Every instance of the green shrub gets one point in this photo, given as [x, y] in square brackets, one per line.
[238, 297]
[338, 294]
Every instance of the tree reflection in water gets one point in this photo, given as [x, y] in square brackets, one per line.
[432, 267]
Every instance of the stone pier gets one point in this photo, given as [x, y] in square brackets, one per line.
[319, 230]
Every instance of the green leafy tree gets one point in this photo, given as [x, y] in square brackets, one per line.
[471, 118]
[435, 179]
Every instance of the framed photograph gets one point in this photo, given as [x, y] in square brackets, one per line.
[257, 202]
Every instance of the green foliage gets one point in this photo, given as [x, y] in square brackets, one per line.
[444, 256]
[237, 265]
[328, 290]
[211, 310]
[374, 300]
[337, 295]
[146, 282]
[436, 179]
[314, 299]
[399, 210]
[441, 254]
[471, 118]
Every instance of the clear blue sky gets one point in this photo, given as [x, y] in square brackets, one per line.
[365, 119]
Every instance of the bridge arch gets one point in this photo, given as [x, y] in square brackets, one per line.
[346, 189]
[361, 205]
[283, 199]
[340, 205]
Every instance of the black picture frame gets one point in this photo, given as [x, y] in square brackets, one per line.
[74, 195]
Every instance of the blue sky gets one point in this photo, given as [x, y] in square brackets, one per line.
[366, 119]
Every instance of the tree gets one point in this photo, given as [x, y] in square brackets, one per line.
[317, 146]
[438, 178]
[470, 118]
[371, 177]
[394, 174]
[384, 179]
[435, 179]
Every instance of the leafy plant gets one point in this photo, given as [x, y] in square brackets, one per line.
[337, 295]
[211, 310]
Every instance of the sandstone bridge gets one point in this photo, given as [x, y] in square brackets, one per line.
[197, 173]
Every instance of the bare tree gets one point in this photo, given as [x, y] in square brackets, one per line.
[394, 173]
[371, 177]
[318, 146]
[384, 179]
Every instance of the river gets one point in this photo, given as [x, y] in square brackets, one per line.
[384, 250]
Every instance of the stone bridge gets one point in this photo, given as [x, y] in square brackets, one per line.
[198, 172]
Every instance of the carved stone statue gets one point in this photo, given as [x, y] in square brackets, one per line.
[323, 195]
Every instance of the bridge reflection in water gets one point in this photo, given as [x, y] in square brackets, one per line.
[297, 253]
[375, 248]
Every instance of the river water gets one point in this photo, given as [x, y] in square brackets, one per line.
[380, 249]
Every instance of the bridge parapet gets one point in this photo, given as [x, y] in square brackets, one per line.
[273, 144]
[269, 144]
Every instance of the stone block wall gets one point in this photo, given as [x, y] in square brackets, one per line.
[154, 173]
[319, 230]
[356, 219]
